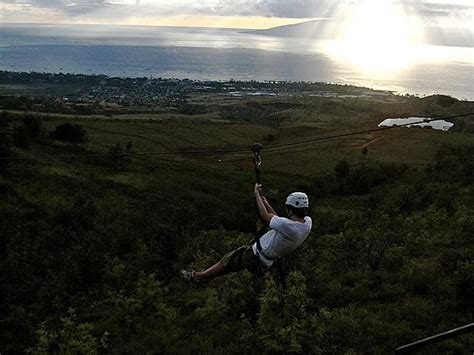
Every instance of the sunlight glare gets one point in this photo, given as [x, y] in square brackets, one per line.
[380, 39]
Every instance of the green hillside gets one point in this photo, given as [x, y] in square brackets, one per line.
[94, 231]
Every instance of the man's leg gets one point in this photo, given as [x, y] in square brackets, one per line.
[215, 270]
[231, 262]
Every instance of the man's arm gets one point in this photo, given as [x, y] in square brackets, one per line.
[264, 214]
[268, 206]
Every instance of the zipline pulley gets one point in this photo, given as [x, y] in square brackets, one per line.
[257, 159]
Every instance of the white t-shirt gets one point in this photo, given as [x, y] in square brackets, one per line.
[284, 237]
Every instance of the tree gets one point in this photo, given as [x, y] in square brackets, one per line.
[29, 131]
[33, 126]
[69, 132]
[71, 338]
[5, 150]
[21, 138]
[119, 158]
[342, 169]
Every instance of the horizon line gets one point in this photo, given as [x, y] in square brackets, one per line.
[157, 25]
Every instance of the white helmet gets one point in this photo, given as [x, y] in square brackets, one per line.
[298, 200]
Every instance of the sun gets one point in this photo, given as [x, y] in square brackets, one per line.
[379, 38]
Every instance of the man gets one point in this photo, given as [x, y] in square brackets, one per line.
[285, 235]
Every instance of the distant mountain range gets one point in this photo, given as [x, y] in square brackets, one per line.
[317, 29]
[329, 29]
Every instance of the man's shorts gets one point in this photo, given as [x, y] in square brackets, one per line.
[242, 258]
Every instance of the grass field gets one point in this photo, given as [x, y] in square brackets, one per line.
[163, 133]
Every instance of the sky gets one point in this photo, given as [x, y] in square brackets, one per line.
[258, 14]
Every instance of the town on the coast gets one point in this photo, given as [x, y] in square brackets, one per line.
[89, 94]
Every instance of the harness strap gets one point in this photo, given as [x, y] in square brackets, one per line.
[238, 253]
[262, 253]
[278, 264]
[259, 245]
[281, 272]
[241, 254]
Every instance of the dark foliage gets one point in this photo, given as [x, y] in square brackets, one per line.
[21, 138]
[190, 109]
[33, 126]
[69, 132]
[20, 103]
[90, 248]
[28, 131]
[89, 261]
[342, 169]
[5, 145]
[119, 156]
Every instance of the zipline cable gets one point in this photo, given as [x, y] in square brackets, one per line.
[233, 151]
[317, 139]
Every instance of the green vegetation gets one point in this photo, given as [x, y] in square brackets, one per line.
[68, 132]
[90, 247]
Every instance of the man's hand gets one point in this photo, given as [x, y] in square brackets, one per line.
[262, 209]
[258, 189]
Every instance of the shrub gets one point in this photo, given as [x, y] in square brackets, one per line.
[69, 132]
[342, 169]
[5, 151]
[33, 126]
[270, 137]
[4, 119]
[72, 337]
[21, 103]
[21, 138]
[119, 158]
[30, 130]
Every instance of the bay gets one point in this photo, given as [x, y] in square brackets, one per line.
[220, 54]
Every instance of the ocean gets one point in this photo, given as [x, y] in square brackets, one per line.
[221, 54]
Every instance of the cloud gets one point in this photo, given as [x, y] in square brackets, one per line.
[431, 12]
[266, 8]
